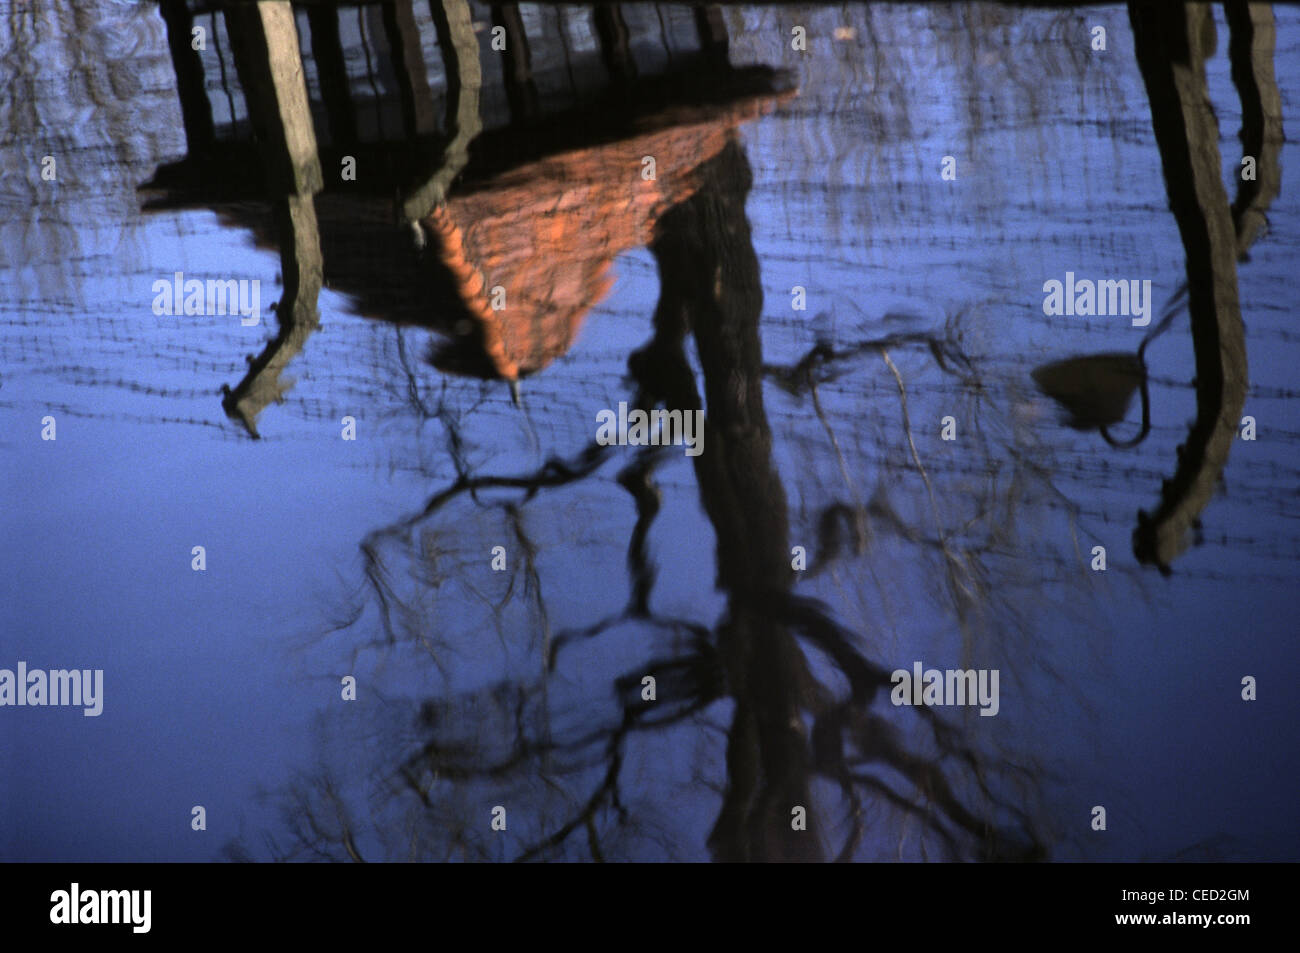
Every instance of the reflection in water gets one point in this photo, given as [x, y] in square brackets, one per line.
[544, 231]
[534, 213]
[507, 264]
[1171, 46]
[691, 657]
[266, 54]
[711, 289]
[541, 237]
[1096, 390]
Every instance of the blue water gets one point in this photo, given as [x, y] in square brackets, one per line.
[222, 688]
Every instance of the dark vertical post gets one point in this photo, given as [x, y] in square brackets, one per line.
[615, 47]
[516, 64]
[327, 51]
[712, 31]
[408, 64]
[196, 111]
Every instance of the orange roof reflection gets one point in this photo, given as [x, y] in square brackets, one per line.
[546, 232]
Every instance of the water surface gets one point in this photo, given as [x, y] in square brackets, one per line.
[776, 169]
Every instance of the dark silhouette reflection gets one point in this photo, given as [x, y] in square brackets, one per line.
[510, 228]
[538, 212]
[1096, 390]
[811, 727]
[196, 111]
[1171, 44]
[532, 210]
[527, 684]
[711, 290]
